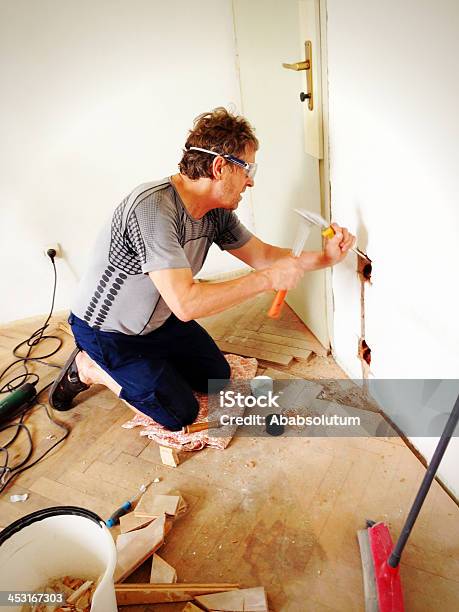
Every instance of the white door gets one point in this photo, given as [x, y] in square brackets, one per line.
[268, 34]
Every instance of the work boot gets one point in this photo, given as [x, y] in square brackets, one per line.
[67, 385]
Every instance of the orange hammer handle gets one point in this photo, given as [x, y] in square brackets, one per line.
[278, 302]
[276, 307]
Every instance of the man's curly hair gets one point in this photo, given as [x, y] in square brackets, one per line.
[218, 131]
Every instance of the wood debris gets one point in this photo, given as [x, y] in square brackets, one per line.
[78, 594]
[82, 590]
[137, 542]
[182, 507]
[169, 456]
[135, 547]
[131, 522]
[190, 607]
[243, 600]
[153, 505]
[145, 594]
[162, 572]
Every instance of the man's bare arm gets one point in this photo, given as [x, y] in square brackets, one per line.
[189, 300]
[276, 269]
[260, 255]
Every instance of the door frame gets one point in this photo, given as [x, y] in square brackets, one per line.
[324, 164]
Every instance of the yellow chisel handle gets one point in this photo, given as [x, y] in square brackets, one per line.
[329, 232]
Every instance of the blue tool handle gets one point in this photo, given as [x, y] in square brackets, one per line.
[115, 517]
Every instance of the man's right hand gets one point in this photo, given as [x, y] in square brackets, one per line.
[285, 273]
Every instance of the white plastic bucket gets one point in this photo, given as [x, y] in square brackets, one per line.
[56, 542]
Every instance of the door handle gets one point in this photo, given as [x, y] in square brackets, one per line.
[297, 66]
[307, 66]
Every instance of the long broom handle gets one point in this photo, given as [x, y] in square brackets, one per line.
[442, 445]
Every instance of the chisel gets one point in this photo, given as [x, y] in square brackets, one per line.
[309, 219]
[125, 508]
[327, 230]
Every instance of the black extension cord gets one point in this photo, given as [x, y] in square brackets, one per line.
[8, 472]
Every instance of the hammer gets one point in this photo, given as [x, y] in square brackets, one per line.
[327, 230]
[309, 219]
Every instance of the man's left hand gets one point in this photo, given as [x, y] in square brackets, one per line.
[336, 248]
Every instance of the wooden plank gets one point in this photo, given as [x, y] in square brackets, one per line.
[65, 327]
[244, 600]
[300, 331]
[250, 316]
[182, 507]
[22, 328]
[224, 319]
[145, 594]
[190, 607]
[153, 505]
[246, 351]
[279, 374]
[162, 572]
[279, 324]
[252, 323]
[301, 343]
[134, 547]
[114, 494]
[66, 496]
[131, 522]
[227, 321]
[10, 512]
[254, 342]
[132, 473]
[169, 456]
[112, 437]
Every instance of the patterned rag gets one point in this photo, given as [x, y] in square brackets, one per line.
[242, 368]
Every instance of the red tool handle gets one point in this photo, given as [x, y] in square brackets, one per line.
[276, 307]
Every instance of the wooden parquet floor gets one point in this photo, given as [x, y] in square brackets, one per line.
[278, 512]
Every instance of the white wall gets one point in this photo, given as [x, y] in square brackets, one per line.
[97, 97]
[393, 100]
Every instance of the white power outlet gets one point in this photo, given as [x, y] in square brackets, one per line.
[56, 246]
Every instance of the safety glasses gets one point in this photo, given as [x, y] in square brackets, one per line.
[250, 169]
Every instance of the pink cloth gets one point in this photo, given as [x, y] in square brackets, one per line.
[242, 368]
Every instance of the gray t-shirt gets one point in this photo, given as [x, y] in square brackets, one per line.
[150, 230]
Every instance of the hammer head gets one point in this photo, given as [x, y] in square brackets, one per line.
[311, 218]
